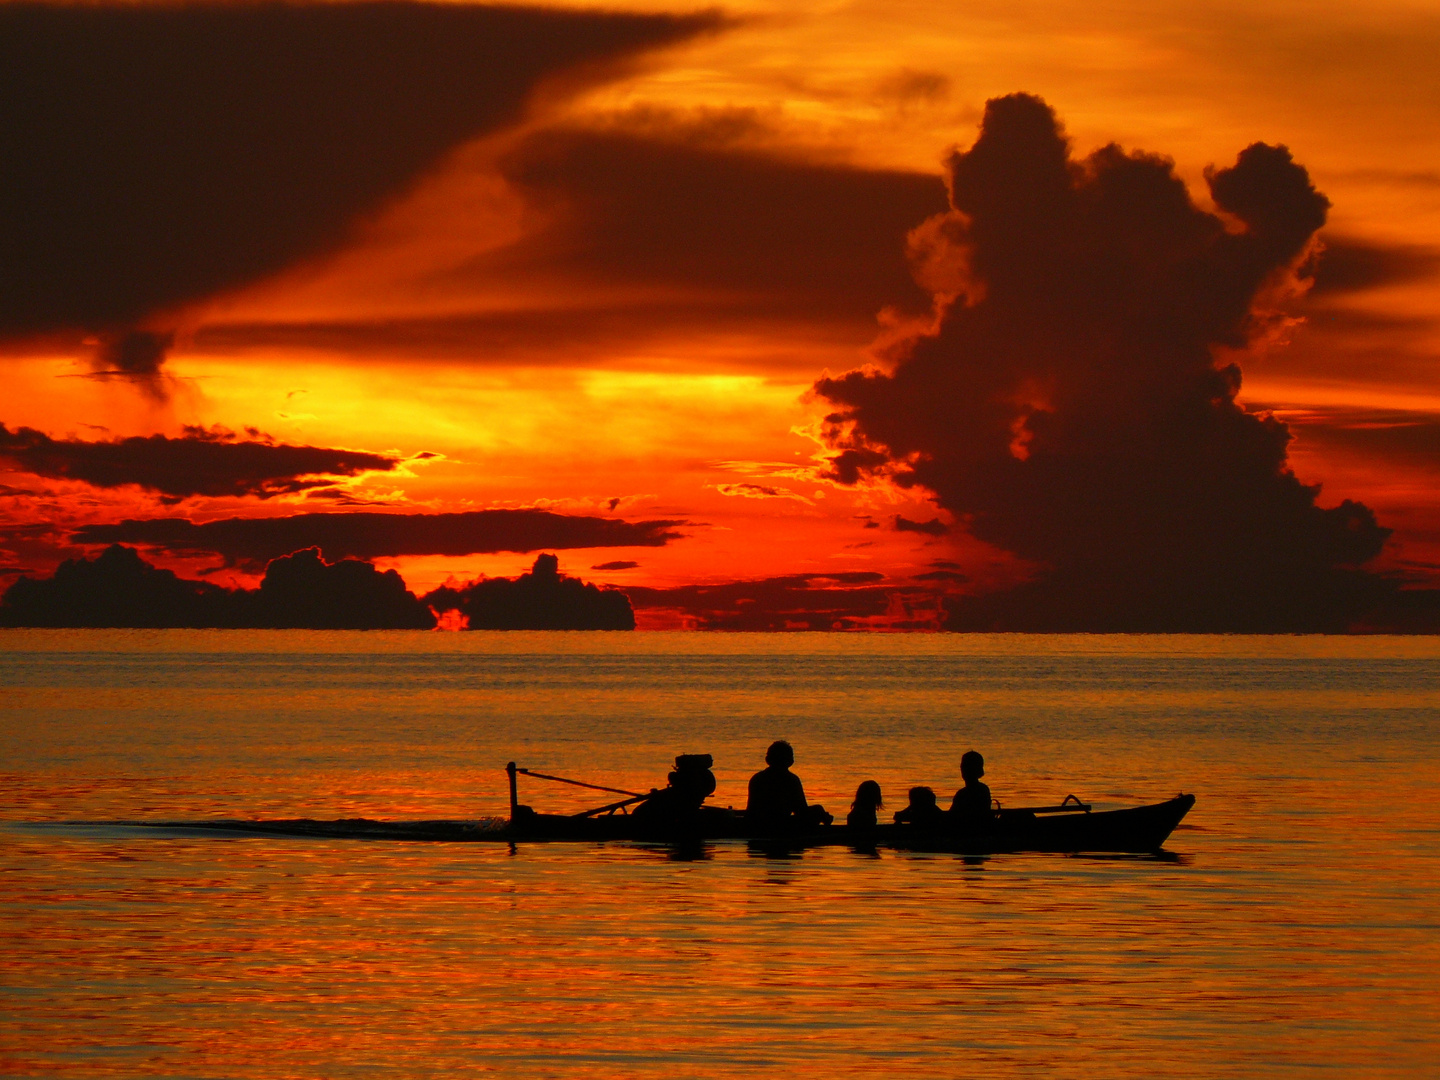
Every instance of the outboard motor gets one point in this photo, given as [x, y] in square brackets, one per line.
[692, 779]
[691, 783]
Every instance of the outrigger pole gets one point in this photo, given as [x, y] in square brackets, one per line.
[511, 770]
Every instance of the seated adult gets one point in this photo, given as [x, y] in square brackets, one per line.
[777, 797]
[923, 812]
[970, 809]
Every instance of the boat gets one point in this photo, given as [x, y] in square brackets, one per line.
[1070, 826]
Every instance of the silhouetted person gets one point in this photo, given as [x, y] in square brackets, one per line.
[862, 810]
[777, 798]
[677, 806]
[970, 809]
[923, 812]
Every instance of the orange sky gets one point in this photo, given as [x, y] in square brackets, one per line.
[550, 365]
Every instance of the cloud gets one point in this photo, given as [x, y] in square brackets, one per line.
[137, 356]
[303, 591]
[158, 154]
[760, 491]
[211, 462]
[1397, 437]
[933, 527]
[1349, 264]
[853, 600]
[1068, 406]
[647, 209]
[119, 588]
[618, 564]
[252, 542]
[543, 599]
[646, 232]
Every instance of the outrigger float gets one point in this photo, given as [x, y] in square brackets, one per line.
[1068, 827]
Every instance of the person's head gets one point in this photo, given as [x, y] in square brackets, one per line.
[867, 796]
[780, 755]
[972, 766]
[922, 796]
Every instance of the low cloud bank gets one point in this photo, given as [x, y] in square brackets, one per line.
[118, 588]
[300, 591]
[850, 600]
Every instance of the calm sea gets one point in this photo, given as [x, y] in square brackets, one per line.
[1295, 932]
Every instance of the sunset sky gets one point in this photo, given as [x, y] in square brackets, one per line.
[600, 261]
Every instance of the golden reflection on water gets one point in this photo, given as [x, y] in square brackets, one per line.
[1296, 933]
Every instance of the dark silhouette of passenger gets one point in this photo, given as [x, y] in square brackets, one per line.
[923, 811]
[777, 798]
[970, 809]
[677, 806]
[862, 810]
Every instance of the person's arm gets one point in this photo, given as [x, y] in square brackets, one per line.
[798, 805]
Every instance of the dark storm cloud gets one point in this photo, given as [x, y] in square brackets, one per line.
[1068, 407]
[700, 233]
[157, 154]
[119, 588]
[252, 542]
[839, 601]
[640, 208]
[209, 462]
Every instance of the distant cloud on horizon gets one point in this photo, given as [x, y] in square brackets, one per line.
[252, 542]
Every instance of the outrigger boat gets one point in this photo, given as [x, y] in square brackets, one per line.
[1070, 826]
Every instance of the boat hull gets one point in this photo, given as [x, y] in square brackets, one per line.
[1135, 829]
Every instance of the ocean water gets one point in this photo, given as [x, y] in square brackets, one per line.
[1294, 929]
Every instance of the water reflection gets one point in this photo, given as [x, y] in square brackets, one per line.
[1293, 934]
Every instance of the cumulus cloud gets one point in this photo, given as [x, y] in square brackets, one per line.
[543, 599]
[252, 542]
[156, 154]
[1068, 405]
[212, 462]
